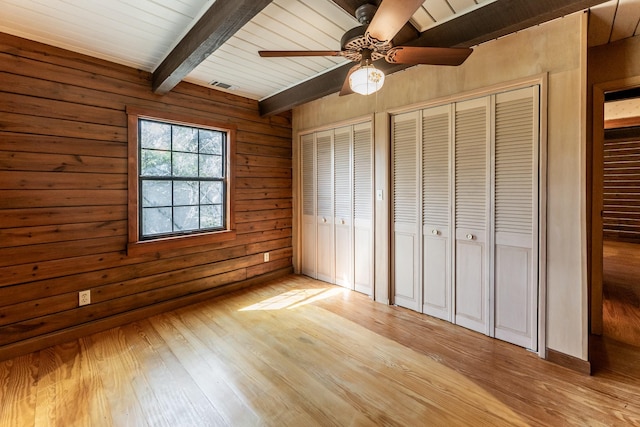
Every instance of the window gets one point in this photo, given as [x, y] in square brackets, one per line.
[179, 172]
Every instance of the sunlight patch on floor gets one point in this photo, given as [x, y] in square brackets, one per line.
[294, 299]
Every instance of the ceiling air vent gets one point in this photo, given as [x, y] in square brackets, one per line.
[222, 85]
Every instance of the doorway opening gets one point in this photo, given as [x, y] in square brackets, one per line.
[621, 217]
[615, 228]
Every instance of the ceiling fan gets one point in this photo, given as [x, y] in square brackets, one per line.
[372, 40]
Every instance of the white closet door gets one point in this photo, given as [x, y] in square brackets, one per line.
[308, 205]
[324, 206]
[406, 229]
[342, 184]
[472, 132]
[516, 218]
[363, 207]
[436, 251]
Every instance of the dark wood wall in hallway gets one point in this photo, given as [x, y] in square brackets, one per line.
[63, 198]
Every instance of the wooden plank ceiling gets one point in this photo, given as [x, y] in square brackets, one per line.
[215, 42]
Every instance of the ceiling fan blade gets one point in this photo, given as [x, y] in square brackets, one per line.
[346, 88]
[390, 18]
[284, 53]
[428, 55]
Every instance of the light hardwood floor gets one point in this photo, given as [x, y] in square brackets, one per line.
[298, 352]
[621, 292]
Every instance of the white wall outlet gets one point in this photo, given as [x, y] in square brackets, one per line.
[266, 257]
[84, 297]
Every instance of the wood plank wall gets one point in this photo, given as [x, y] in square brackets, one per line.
[621, 213]
[63, 195]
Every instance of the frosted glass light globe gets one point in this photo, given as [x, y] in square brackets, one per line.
[366, 80]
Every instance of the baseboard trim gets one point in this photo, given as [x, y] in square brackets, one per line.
[58, 337]
[570, 362]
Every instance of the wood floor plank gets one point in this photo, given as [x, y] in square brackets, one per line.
[18, 382]
[187, 348]
[69, 392]
[294, 367]
[114, 361]
[267, 390]
[176, 403]
[298, 352]
[621, 291]
[98, 411]
[237, 385]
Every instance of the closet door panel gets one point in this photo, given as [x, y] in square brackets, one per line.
[406, 196]
[309, 221]
[435, 280]
[325, 209]
[471, 214]
[516, 196]
[436, 263]
[513, 281]
[406, 294]
[342, 181]
[363, 207]
[471, 294]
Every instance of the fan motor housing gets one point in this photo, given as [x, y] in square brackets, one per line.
[354, 40]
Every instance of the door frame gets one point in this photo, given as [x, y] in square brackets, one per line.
[597, 203]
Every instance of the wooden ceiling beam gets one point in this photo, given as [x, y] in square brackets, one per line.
[497, 20]
[223, 19]
[494, 20]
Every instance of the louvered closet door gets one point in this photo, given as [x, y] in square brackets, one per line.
[308, 205]
[516, 219]
[471, 214]
[436, 251]
[342, 184]
[406, 229]
[324, 206]
[363, 207]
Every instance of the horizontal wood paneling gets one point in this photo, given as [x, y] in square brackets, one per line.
[621, 192]
[63, 196]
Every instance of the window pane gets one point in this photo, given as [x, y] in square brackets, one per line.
[182, 179]
[156, 221]
[210, 142]
[185, 193]
[155, 163]
[185, 164]
[210, 193]
[156, 193]
[210, 166]
[186, 218]
[211, 216]
[185, 139]
[155, 135]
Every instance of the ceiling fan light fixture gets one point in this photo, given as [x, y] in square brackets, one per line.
[366, 80]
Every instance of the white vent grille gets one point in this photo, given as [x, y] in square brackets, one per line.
[222, 85]
[307, 174]
[513, 166]
[363, 186]
[325, 190]
[471, 168]
[404, 169]
[435, 172]
[342, 180]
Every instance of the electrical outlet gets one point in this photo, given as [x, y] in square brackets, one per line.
[84, 297]
[266, 257]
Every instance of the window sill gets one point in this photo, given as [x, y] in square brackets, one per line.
[178, 242]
